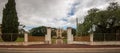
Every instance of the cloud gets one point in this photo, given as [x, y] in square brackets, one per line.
[54, 13]
[43, 12]
[84, 5]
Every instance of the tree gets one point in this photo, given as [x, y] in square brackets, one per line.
[39, 31]
[113, 6]
[86, 27]
[10, 22]
[82, 30]
[73, 31]
[64, 34]
[53, 32]
[105, 22]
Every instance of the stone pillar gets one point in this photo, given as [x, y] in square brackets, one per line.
[48, 36]
[25, 38]
[91, 39]
[69, 35]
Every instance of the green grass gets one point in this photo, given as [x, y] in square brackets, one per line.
[18, 40]
[1, 40]
[65, 40]
[53, 41]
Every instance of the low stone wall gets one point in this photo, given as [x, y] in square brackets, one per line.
[21, 43]
[80, 42]
[82, 38]
[11, 43]
[33, 43]
[36, 38]
[106, 43]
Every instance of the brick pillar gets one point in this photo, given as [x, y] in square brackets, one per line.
[48, 36]
[69, 35]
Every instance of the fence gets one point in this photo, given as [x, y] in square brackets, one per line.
[106, 37]
[94, 38]
[10, 37]
[20, 39]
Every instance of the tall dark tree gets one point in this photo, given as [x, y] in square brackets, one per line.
[10, 22]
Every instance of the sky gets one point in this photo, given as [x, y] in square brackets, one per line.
[54, 13]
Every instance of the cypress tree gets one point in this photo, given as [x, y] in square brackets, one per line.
[10, 22]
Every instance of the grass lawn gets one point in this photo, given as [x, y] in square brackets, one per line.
[53, 41]
[18, 40]
[65, 40]
[1, 40]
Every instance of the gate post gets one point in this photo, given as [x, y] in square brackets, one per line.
[69, 35]
[48, 36]
[91, 38]
[25, 38]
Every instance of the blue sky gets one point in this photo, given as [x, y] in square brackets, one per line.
[54, 13]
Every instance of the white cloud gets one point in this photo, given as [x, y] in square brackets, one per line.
[43, 12]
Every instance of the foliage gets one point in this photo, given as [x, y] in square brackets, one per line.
[64, 34]
[102, 21]
[39, 31]
[73, 31]
[42, 31]
[10, 22]
[53, 33]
